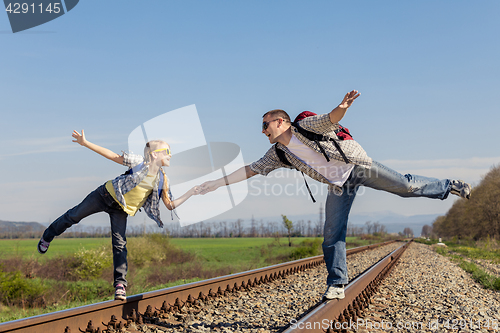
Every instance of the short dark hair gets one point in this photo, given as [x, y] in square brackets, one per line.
[279, 113]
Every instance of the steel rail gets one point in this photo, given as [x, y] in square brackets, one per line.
[342, 314]
[85, 318]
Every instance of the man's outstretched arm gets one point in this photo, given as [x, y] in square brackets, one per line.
[237, 176]
[338, 113]
[80, 138]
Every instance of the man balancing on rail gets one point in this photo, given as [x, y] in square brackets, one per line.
[319, 147]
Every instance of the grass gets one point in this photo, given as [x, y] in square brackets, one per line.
[483, 251]
[8, 313]
[486, 249]
[217, 252]
[477, 253]
[26, 248]
[480, 276]
[206, 247]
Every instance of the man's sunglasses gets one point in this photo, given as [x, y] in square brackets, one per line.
[265, 124]
[167, 150]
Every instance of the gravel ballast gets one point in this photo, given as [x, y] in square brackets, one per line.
[425, 292]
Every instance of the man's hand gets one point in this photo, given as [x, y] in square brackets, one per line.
[80, 138]
[348, 99]
[209, 186]
[338, 113]
[237, 176]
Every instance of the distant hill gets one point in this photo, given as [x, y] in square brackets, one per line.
[20, 227]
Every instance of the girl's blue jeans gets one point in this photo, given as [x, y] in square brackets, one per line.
[337, 208]
[98, 201]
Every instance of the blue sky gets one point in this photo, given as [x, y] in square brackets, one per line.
[428, 73]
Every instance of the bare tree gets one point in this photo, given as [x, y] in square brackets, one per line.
[369, 227]
[253, 227]
[239, 227]
[408, 232]
[289, 227]
[426, 230]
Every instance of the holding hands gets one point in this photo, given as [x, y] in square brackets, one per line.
[208, 186]
[195, 190]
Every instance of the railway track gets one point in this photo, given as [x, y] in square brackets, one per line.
[338, 315]
[144, 309]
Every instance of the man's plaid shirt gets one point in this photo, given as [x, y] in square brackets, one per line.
[126, 182]
[320, 124]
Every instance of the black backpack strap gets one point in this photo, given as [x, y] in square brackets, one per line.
[336, 144]
[319, 137]
[282, 156]
[310, 135]
[343, 130]
[308, 189]
[323, 150]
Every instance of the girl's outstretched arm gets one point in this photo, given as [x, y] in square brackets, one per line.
[80, 138]
[177, 202]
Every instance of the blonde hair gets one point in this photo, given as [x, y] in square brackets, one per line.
[164, 194]
[148, 149]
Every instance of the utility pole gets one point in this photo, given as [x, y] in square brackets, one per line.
[321, 221]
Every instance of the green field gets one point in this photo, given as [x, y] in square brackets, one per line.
[26, 248]
[209, 249]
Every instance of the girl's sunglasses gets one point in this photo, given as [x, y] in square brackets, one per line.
[167, 150]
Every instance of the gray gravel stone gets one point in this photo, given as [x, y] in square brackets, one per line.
[447, 299]
[271, 307]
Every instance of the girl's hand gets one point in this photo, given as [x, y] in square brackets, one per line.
[209, 186]
[80, 138]
[196, 190]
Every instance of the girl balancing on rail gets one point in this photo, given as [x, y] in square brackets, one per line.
[142, 185]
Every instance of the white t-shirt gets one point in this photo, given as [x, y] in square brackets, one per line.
[335, 171]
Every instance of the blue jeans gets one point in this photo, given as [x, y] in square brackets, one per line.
[98, 201]
[337, 208]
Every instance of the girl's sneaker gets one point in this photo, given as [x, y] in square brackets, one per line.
[43, 246]
[120, 293]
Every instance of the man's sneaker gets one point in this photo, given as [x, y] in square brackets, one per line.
[334, 291]
[120, 292]
[460, 188]
[43, 246]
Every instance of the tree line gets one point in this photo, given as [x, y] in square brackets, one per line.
[223, 229]
[476, 218]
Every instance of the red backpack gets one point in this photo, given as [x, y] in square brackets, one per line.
[342, 133]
